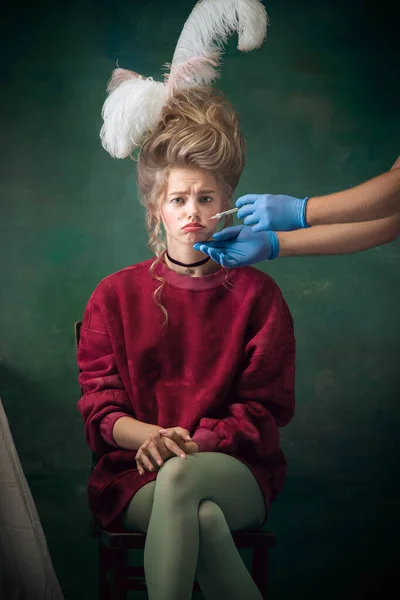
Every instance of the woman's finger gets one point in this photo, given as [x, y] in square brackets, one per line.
[139, 468]
[146, 462]
[153, 450]
[158, 439]
[174, 432]
[184, 433]
[171, 445]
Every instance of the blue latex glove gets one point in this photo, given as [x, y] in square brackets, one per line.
[239, 246]
[278, 213]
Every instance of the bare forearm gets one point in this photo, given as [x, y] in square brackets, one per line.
[375, 199]
[130, 433]
[342, 238]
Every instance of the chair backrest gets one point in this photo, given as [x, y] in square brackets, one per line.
[77, 331]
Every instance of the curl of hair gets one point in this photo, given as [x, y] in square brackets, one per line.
[199, 129]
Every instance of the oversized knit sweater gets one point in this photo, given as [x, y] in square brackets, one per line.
[223, 368]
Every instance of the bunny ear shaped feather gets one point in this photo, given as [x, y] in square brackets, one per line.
[130, 111]
[134, 104]
[211, 22]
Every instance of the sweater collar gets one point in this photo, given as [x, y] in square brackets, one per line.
[194, 283]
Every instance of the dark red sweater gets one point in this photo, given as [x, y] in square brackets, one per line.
[223, 368]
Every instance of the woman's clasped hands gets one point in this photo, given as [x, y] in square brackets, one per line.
[161, 445]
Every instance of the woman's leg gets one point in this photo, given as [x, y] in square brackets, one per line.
[221, 572]
[188, 514]
[136, 516]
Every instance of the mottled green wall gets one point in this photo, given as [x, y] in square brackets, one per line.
[319, 106]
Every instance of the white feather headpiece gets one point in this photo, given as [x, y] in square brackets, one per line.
[134, 104]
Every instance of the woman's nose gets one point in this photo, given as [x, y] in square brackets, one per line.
[192, 209]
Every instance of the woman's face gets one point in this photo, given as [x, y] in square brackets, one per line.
[191, 198]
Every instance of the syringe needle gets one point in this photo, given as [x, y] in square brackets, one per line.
[226, 212]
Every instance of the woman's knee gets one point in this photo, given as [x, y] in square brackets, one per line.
[176, 473]
[211, 519]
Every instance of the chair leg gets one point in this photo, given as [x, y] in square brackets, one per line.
[259, 569]
[118, 575]
[104, 568]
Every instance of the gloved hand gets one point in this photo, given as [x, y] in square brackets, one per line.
[239, 246]
[266, 211]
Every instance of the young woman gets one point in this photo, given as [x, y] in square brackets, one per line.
[207, 354]
[187, 369]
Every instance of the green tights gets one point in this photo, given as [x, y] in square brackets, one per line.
[188, 514]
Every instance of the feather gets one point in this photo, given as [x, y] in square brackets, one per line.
[134, 104]
[207, 29]
[132, 109]
[192, 71]
[119, 76]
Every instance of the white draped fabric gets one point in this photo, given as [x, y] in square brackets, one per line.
[26, 569]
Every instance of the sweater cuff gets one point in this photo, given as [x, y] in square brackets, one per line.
[107, 425]
[206, 440]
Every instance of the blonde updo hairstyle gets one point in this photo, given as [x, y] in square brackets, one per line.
[199, 129]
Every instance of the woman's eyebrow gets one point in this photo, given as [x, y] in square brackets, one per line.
[199, 192]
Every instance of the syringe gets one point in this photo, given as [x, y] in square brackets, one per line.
[222, 214]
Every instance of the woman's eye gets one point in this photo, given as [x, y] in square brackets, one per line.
[203, 199]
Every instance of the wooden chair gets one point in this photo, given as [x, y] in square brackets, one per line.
[116, 577]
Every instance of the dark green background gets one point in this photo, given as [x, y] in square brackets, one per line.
[319, 107]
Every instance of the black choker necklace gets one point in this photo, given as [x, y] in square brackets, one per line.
[181, 264]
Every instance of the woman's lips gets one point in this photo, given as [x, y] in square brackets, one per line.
[193, 226]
